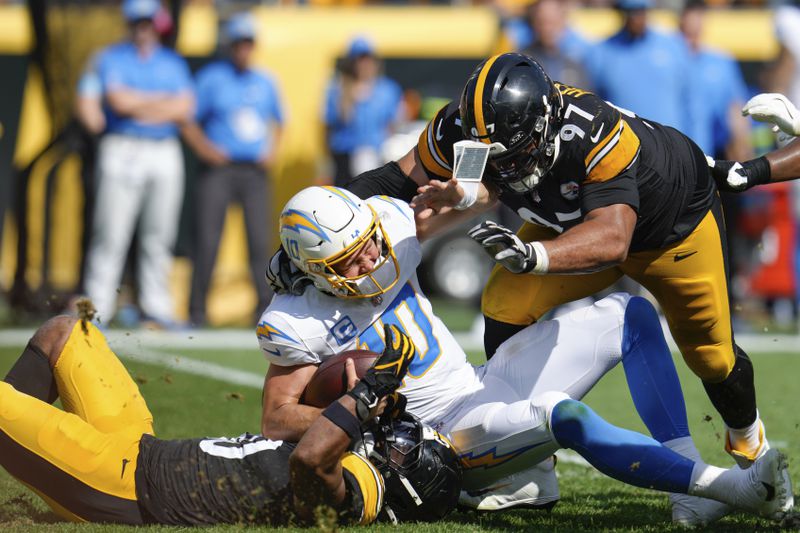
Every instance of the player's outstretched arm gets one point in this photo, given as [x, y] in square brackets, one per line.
[600, 241]
[315, 465]
[782, 164]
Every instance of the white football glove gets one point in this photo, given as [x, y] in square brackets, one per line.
[504, 246]
[774, 108]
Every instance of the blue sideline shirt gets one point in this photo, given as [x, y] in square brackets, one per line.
[163, 71]
[717, 84]
[648, 75]
[235, 108]
[370, 118]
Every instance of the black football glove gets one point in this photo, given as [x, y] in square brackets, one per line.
[386, 374]
[732, 176]
[395, 407]
[283, 275]
[504, 246]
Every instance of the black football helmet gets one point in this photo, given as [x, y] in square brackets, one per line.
[510, 103]
[420, 469]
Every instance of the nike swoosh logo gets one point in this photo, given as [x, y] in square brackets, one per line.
[481, 492]
[125, 463]
[595, 138]
[276, 353]
[681, 257]
[439, 131]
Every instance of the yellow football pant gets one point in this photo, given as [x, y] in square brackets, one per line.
[81, 460]
[688, 278]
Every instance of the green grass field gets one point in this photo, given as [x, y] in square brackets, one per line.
[186, 405]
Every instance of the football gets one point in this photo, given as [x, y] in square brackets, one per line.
[329, 382]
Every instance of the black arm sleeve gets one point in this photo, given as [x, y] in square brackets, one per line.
[388, 180]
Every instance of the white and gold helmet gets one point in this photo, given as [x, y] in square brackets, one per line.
[323, 227]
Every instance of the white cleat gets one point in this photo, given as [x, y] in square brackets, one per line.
[763, 488]
[534, 488]
[695, 512]
[745, 460]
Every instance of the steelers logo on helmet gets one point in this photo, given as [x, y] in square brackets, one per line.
[512, 94]
[325, 230]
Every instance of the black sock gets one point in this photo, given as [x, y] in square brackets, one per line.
[32, 375]
[497, 333]
[735, 397]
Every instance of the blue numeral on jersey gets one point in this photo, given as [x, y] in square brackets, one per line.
[405, 313]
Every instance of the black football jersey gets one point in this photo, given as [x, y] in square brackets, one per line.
[243, 480]
[606, 156]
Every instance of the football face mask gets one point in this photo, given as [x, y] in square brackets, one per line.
[383, 275]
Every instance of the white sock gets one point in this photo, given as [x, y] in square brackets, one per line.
[746, 439]
[685, 447]
[714, 482]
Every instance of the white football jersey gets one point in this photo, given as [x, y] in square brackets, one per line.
[310, 328]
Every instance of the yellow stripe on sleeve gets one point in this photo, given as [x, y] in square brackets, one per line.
[370, 483]
[615, 157]
[599, 146]
[428, 160]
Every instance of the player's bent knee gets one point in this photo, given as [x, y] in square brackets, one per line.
[567, 421]
[549, 400]
[641, 315]
[712, 369]
[51, 336]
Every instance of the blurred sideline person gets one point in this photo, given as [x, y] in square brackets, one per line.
[89, 99]
[785, 75]
[718, 93]
[97, 460]
[506, 416]
[641, 68]
[239, 122]
[548, 20]
[523, 32]
[146, 93]
[361, 106]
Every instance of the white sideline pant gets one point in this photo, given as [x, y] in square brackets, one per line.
[139, 180]
[503, 427]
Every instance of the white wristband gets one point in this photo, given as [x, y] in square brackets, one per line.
[470, 196]
[542, 259]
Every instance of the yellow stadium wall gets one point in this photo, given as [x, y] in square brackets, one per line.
[299, 45]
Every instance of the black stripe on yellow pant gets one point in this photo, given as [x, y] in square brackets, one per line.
[68, 461]
[689, 280]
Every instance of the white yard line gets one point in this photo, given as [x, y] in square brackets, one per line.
[188, 365]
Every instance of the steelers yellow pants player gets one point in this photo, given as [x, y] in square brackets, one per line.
[690, 281]
[98, 461]
[81, 460]
[688, 278]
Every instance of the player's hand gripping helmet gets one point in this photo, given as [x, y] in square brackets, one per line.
[324, 228]
[510, 103]
[420, 468]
